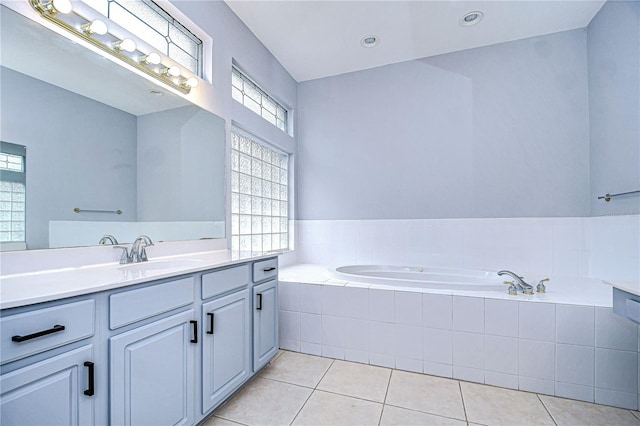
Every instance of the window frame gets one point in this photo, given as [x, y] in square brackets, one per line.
[19, 177]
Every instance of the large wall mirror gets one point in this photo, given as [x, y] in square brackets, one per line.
[107, 151]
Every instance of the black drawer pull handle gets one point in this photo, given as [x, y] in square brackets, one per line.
[56, 328]
[210, 314]
[195, 331]
[259, 307]
[91, 390]
[273, 268]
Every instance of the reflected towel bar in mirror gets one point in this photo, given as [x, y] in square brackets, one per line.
[79, 210]
[608, 197]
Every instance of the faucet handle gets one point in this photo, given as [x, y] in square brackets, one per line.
[540, 288]
[508, 282]
[512, 290]
[125, 254]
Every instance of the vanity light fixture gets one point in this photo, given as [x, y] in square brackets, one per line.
[126, 44]
[471, 18]
[95, 27]
[151, 59]
[62, 14]
[59, 6]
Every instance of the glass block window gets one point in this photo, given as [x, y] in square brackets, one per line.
[151, 23]
[12, 193]
[259, 196]
[257, 100]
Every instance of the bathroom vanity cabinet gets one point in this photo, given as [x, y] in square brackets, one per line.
[162, 352]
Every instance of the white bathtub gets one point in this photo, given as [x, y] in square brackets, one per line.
[423, 277]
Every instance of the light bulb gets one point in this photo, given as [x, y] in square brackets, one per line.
[60, 6]
[152, 58]
[173, 71]
[95, 27]
[126, 44]
[192, 82]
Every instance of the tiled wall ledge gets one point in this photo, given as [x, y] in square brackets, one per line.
[580, 352]
[605, 247]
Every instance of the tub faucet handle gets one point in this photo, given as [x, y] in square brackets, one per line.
[507, 282]
[512, 290]
[540, 288]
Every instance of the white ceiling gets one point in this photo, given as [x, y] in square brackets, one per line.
[315, 39]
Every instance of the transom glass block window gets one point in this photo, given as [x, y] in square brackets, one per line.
[12, 192]
[257, 100]
[259, 196]
[151, 23]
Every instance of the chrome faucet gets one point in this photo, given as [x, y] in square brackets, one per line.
[518, 283]
[108, 239]
[137, 253]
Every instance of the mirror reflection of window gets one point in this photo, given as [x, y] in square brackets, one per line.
[12, 196]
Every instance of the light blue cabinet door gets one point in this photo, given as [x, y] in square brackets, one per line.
[50, 392]
[265, 323]
[152, 373]
[226, 347]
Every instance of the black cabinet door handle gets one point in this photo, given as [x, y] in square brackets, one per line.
[273, 268]
[195, 331]
[56, 328]
[90, 373]
[259, 306]
[210, 315]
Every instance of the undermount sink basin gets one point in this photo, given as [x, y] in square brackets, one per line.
[160, 264]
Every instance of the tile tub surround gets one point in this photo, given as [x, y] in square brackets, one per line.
[606, 247]
[302, 389]
[573, 351]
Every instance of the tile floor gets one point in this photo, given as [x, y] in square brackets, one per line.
[303, 389]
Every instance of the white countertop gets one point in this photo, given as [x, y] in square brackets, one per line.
[36, 287]
[632, 287]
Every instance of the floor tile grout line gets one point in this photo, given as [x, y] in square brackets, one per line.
[312, 392]
[547, 410]
[232, 421]
[425, 412]
[464, 407]
[384, 401]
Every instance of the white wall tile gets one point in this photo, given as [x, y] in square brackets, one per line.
[530, 384]
[310, 328]
[615, 332]
[290, 345]
[575, 364]
[381, 305]
[579, 392]
[332, 331]
[381, 338]
[311, 298]
[438, 345]
[406, 364]
[289, 296]
[437, 311]
[468, 350]
[408, 309]
[536, 359]
[408, 341]
[501, 354]
[356, 302]
[436, 369]
[617, 399]
[356, 356]
[333, 352]
[289, 323]
[501, 317]
[575, 324]
[468, 314]
[468, 374]
[613, 370]
[356, 334]
[310, 348]
[500, 379]
[382, 360]
[333, 300]
[537, 321]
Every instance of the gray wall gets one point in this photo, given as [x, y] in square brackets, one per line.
[80, 153]
[181, 166]
[614, 106]
[498, 131]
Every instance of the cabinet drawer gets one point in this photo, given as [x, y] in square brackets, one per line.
[135, 305]
[36, 331]
[265, 269]
[223, 281]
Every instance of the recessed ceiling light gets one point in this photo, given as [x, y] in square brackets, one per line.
[471, 18]
[370, 41]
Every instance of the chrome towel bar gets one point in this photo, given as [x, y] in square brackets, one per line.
[608, 197]
[78, 210]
